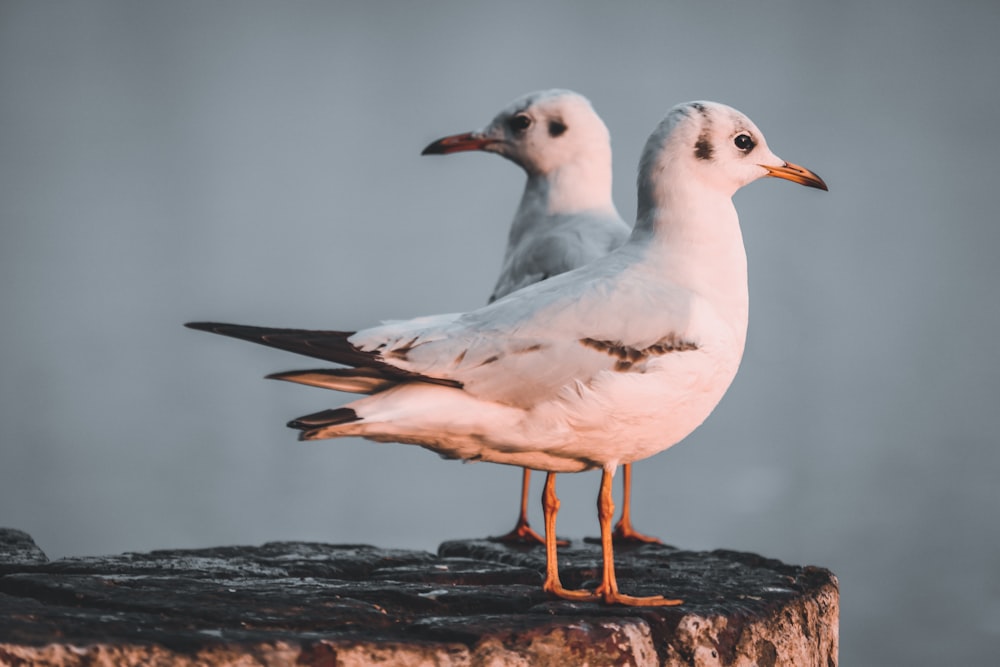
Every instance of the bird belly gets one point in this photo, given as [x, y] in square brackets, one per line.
[619, 416]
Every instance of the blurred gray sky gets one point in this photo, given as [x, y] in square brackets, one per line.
[259, 163]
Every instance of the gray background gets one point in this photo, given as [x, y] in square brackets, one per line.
[249, 162]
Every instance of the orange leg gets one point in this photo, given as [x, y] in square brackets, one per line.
[523, 533]
[609, 584]
[550, 505]
[624, 532]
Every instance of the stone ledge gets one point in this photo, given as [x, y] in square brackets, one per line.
[474, 603]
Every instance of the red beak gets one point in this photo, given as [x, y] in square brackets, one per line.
[469, 141]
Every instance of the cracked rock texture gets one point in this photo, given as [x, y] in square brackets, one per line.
[474, 603]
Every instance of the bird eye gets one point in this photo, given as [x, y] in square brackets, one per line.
[744, 142]
[520, 122]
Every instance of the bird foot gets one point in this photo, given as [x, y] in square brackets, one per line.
[610, 595]
[556, 588]
[624, 533]
[524, 534]
[615, 597]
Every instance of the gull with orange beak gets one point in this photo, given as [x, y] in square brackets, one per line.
[566, 217]
[600, 366]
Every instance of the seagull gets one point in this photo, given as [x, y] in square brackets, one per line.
[600, 366]
[566, 217]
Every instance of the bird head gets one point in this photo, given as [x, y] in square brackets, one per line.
[540, 132]
[715, 146]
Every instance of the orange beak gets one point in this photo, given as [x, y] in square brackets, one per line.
[469, 141]
[796, 174]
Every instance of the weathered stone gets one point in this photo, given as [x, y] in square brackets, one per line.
[475, 603]
[18, 549]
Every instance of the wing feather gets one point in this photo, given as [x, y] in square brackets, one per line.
[523, 348]
[326, 345]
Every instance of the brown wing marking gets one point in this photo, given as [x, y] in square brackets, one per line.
[629, 356]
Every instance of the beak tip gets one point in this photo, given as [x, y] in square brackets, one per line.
[816, 182]
[433, 148]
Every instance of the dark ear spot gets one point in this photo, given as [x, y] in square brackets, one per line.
[703, 148]
[556, 128]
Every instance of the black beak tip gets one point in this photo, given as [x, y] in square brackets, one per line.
[434, 148]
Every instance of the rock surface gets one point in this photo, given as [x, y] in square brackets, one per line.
[474, 603]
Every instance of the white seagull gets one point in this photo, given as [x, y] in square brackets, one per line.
[596, 367]
[566, 217]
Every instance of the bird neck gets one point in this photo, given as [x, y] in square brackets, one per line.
[692, 232]
[582, 186]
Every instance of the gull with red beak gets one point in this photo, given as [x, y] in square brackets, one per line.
[600, 366]
[566, 217]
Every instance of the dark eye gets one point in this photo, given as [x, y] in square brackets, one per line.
[520, 122]
[744, 142]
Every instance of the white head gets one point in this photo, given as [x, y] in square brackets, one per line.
[709, 146]
[541, 132]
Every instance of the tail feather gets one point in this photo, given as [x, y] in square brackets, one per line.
[353, 380]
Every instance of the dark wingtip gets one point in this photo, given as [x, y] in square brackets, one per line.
[203, 326]
[324, 418]
[307, 435]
